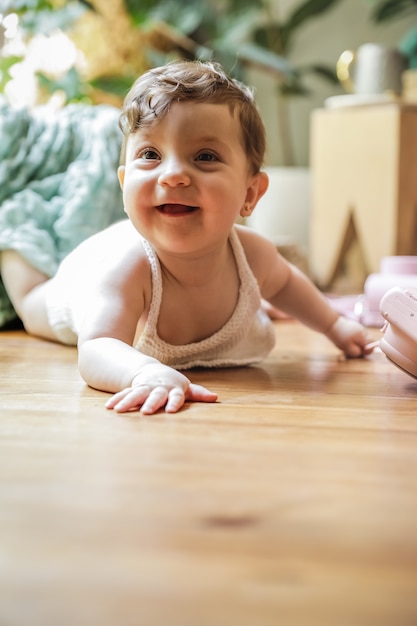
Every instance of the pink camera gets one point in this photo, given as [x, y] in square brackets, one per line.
[399, 343]
[395, 271]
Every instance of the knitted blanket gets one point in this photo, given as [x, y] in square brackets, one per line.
[58, 182]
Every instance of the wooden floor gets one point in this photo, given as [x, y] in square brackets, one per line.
[292, 501]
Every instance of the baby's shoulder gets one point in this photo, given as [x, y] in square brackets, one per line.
[115, 252]
[119, 234]
[116, 241]
[255, 246]
[123, 248]
[261, 253]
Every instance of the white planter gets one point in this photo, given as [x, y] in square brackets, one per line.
[283, 214]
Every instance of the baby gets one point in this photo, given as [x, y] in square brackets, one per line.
[178, 284]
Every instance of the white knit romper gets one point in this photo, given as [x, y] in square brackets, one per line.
[246, 338]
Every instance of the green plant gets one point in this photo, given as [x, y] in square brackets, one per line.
[277, 36]
[387, 10]
[43, 17]
[237, 33]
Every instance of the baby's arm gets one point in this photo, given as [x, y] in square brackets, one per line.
[300, 298]
[290, 291]
[351, 337]
[139, 381]
[107, 359]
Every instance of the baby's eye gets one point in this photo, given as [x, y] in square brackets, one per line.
[148, 154]
[207, 156]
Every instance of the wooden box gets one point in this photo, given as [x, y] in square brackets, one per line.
[364, 185]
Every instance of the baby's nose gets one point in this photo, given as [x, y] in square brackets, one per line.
[173, 173]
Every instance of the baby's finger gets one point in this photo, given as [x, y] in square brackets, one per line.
[198, 393]
[129, 399]
[176, 399]
[155, 400]
[117, 397]
[370, 347]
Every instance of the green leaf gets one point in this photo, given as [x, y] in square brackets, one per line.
[22, 7]
[239, 6]
[252, 54]
[323, 71]
[6, 63]
[294, 89]
[47, 20]
[70, 83]
[391, 9]
[271, 36]
[236, 28]
[309, 9]
[295, 85]
[185, 16]
[116, 85]
[408, 45]
[302, 14]
[277, 36]
[88, 6]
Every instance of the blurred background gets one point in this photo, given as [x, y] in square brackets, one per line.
[55, 52]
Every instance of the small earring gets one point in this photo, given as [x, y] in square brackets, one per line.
[245, 210]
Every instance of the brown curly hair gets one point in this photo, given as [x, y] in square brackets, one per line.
[153, 93]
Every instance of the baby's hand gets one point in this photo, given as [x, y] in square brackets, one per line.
[155, 386]
[350, 336]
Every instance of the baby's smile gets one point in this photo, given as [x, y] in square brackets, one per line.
[176, 209]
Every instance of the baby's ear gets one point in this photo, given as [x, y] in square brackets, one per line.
[263, 184]
[121, 175]
[257, 188]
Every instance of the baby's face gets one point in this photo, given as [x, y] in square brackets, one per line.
[187, 176]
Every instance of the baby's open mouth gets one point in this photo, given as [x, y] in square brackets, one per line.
[176, 209]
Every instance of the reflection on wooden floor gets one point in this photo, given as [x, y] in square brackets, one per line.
[291, 501]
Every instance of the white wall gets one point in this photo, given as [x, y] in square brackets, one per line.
[322, 40]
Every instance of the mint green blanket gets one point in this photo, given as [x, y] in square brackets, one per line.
[58, 182]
